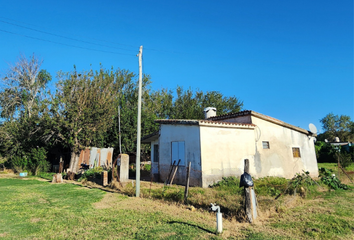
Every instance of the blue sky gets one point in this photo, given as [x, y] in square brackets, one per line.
[291, 60]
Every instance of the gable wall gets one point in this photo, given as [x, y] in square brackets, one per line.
[279, 160]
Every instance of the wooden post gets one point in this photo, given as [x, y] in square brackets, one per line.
[247, 166]
[169, 174]
[104, 178]
[250, 198]
[187, 183]
[174, 173]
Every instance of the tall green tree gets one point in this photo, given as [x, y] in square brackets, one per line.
[337, 126]
[190, 105]
[22, 102]
[85, 107]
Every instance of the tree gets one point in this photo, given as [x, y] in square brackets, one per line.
[21, 87]
[22, 104]
[83, 108]
[337, 126]
[190, 105]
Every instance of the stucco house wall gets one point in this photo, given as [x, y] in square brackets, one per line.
[223, 150]
[278, 160]
[217, 147]
[190, 135]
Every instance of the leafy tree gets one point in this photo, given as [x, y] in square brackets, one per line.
[22, 103]
[337, 126]
[190, 105]
[21, 87]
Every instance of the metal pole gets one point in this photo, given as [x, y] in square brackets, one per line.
[137, 162]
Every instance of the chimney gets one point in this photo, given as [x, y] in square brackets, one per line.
[209, 112]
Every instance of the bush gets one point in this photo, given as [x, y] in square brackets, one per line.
[230, 184]
[147, 167]
[38, 161]
[92, 173]
[270, 186]
[345, 159]
[333, 182]
[19, 164]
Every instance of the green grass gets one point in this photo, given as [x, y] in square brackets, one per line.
[32, 209]
[334, 166]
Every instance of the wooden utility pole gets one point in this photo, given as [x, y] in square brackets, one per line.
[250, 198]
[137, 162]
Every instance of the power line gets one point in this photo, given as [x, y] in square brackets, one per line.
[101, 40]
[64, 44]
[57, 35]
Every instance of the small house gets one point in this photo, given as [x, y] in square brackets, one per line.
[217, 146]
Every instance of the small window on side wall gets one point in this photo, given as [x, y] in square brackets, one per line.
[296, 152]
[265, 145]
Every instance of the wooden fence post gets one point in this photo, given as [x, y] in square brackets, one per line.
[104, 178]
[187, 183]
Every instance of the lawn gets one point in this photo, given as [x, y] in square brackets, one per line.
[334, 166]
[33, 209]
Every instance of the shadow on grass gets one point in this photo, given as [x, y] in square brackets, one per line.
[192, 225]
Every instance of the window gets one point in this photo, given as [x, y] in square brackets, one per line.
[156, 153]
[178, 153]
[265, 145]
[296, 152]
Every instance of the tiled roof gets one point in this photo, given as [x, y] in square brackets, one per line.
[259, 115]
[202, 122]
[231, 115]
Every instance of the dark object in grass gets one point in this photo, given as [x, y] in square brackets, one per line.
[85, 166]
[246, 180]
[70, 176]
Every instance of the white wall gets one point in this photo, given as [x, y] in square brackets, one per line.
[279, 160]
[189, 134]
[223, 150]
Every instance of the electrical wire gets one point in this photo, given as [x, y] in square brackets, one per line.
[75, 39]
[64, 44]
[57, 35]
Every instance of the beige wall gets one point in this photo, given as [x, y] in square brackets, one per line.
[190, 135]
[223, 150]
[217, 151]
[279, 160]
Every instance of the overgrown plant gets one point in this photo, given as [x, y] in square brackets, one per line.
[38, 161]
[92, 173]
[328, 178]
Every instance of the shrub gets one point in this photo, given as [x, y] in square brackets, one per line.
[270, 186]
[19, 163]
[328, 178]
[230, 184]
[38, 161]
[92, 173]
[147, 167]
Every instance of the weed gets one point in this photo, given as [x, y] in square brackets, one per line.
[328, 178]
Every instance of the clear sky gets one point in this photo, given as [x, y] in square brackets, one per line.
[291, 60]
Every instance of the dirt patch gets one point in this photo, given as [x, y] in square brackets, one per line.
[8, 175]
[109, 200]
[35, 220]
[3, 234]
